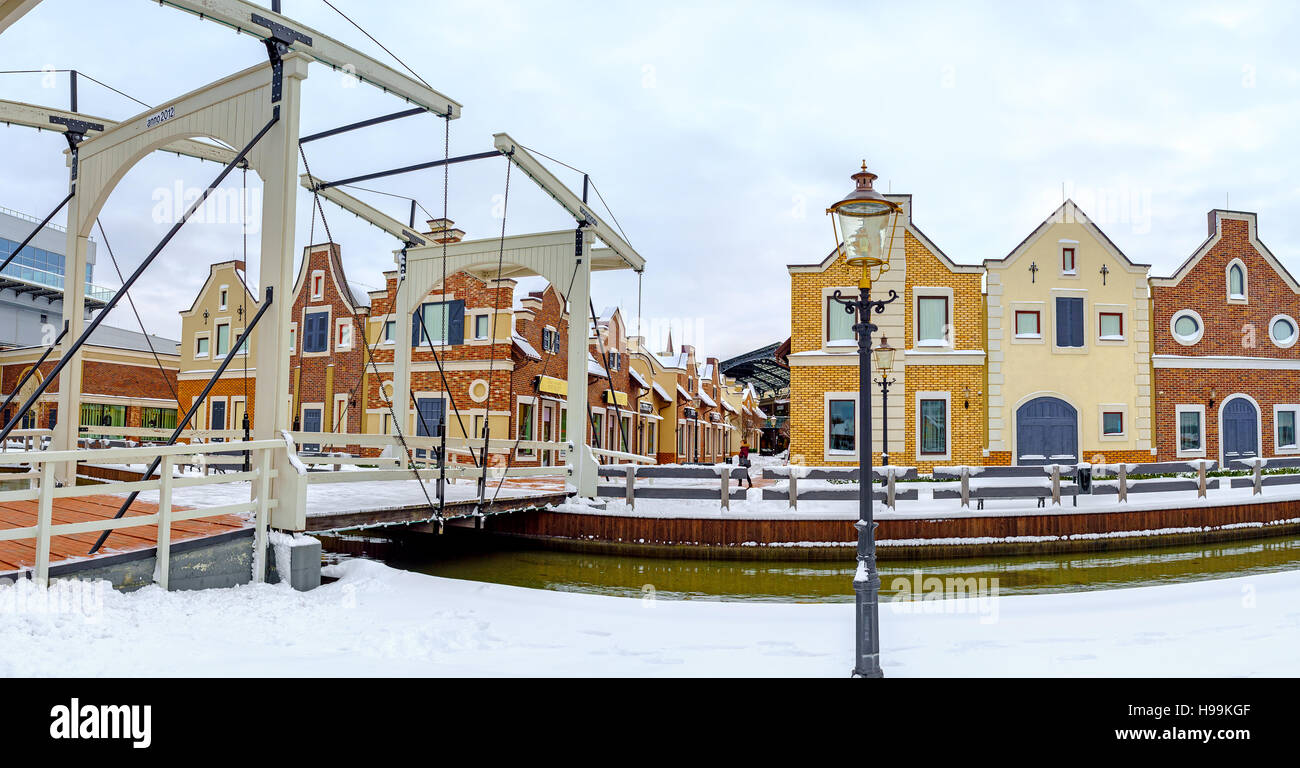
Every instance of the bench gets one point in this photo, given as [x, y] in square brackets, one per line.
[982, 492]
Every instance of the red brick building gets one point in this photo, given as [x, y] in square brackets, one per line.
[1226, 362]
[122, 383]
[328, 345]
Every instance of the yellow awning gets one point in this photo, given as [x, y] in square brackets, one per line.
[553, 386]
[616, 398]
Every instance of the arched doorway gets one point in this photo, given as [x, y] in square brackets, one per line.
[1239, 428]
[1047, 432]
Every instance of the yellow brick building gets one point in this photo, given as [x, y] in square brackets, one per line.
[936, 403]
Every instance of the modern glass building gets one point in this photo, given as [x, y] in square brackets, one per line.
[31, 286]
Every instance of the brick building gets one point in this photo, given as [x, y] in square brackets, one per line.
[936, 404]
[1226, 362]
[123, 383]
[212, 324]
[327, 344]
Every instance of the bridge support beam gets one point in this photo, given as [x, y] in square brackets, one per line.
[582, 462]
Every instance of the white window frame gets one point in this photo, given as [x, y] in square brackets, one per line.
[293, 339]
[933, 292]
[946, 397]
[1244, 296]
[827, 293]
[384, 337]
[1295, 331]
[1187, 341]
[1179, 410]
[317, 275]
[1029, 306]
[1278, 448]
[223, 297]
[1071, 293]
[339, 325]
[1123, 410]
[1073, 247]
[329, 325]
[826, 427]
[205, 335]
[487, 331]
[340, 413]
[217, 354]
[1125, 323]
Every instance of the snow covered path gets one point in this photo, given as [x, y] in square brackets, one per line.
[381, 621]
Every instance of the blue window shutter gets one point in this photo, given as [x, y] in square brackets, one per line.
[315, 336]
[415, 326]
[1076, 322]
[456, 322]
[1062, 321]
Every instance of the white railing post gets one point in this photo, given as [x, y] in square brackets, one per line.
[164, 551]
[890, 498]
[1200, 479]
[726, 483]
[1123, 482]
[794, 489]
[44, 519]
[965, 487]
[1056, 484]
[1259, 477]
[263, 514]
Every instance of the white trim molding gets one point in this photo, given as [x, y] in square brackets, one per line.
[1194, 453]
[839, 455]
[1225, 362]
[1229, 296]
[1187, 341]
[1120, 408]
[1288, 342]
[946, 397]
[1294, 447]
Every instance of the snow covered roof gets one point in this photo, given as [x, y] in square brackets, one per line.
[121, 338]
[594, 368]
[706, 370]
[704, 398]
[673, 361]
[759, 412]
[360, 295]
[658, 390]
[525, 347]
[637, 378]
[683, 393]
[729, 407]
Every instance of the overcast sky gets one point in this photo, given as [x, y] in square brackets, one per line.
[719, 132]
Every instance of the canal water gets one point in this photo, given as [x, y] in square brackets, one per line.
[474, 556]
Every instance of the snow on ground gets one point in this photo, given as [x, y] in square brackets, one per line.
[381, 621]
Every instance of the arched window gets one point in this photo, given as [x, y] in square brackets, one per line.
[1236, 281]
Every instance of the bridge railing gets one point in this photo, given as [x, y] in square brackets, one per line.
[45, 491]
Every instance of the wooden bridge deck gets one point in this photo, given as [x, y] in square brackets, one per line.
[21, 553]
[420, 513]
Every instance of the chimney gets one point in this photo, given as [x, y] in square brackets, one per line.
[441, 231]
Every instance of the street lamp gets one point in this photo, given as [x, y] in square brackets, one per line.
[863, 218]
[884, 355]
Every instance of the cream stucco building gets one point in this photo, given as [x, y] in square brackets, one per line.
[1069, 371]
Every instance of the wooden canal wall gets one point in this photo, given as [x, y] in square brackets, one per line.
[972, 535]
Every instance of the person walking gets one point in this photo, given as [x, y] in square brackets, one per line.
[743, 461]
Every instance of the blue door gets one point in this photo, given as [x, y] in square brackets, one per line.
[1047, 432]
[1240, 429]
[218, 418]
[429, 421]
[311, 423]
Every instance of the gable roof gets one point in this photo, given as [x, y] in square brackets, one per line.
[1068, 212]
[237, 267]
[1216, 217]
[354, 296]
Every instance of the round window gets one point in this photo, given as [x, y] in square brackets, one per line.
[1187, 327]
[1282, 330]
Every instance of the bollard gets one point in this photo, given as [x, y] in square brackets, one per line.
[1123, 482]
[726, 491]
[1056, 484]
[630, 500]
[1259, 478]
[890, 498]
[794, 490]
[1200, 479]
[965, 486]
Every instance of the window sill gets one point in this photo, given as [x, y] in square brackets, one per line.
[1030, 336]
[1198, 454]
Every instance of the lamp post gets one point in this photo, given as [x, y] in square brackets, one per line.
[884, 355]
[863, 218]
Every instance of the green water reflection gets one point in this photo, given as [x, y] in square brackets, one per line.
[475, 557]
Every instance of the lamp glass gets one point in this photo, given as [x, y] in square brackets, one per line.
[884, 355]
[863, 226]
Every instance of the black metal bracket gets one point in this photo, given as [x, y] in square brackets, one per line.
[278, 43]
[75, 134]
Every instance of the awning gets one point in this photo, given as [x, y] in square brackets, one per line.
[658, 390]
[637, 378]
[616, 398]
[552, 385]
